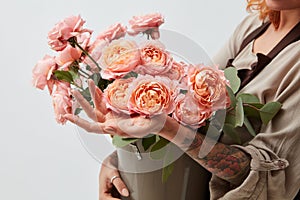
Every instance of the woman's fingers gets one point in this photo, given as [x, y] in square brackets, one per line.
[120, 186]
[97, 97]
[89, 110]
[92, 127]
[141, 126]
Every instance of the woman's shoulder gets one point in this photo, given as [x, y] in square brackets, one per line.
[247, 25]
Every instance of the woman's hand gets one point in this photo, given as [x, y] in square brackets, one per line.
[111, 186]
[108, 122]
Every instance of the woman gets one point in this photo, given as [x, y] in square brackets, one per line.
[268, 166]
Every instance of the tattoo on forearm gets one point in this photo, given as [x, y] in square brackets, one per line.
[225, 161]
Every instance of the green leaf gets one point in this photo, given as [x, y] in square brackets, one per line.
[148, 141]
[122, 142]
[87, 67]
[74, 75]
[103, 83]
[131, 74]
[249, 127]
[183, 91]
[239, 113]
[248, 98]
[214, 132]
[77, 111]
[231, 96]
[158, 151]
[231, 75]
[252, 111]
[86, 94]
[269, 110]
[230, 118]
[229, 130]
[64, 76]
[167, 170]
[96, 78]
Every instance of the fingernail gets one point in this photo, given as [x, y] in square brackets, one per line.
[109, 130]
[125, 192]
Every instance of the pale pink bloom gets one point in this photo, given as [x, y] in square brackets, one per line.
[117, 95]
[62, 100]
[118, 58]
[114, 32]
[208, 85]
[67, 56]
[177, 71]
[95, 51]
[148, 24]
[155, 60]
[42, 72]
[152, 95]
[64, 30]
[189, 112]
[83, 39]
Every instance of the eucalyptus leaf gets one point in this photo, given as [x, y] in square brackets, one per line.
[64, 76]
[88, 67]
[148, 141]
[231, 75]
[256, 105]
[131, 74]
[230, 130]
[96, 78]
[168, 167]
[249, 126]
[77, 111]
[158, 150]
[122, 142]
[232, 97]
[248, 98]
[269, 110]
[239, 113]
[103, 83]
[74, 75]
[86, 94]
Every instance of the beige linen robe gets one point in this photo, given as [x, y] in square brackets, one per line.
[275, 151]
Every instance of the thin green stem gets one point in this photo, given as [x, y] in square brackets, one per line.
[88, 55]
[251, 106]
[73, 83]
[83, 72]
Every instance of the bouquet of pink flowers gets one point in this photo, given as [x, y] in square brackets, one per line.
[141, 78]
[136, 78]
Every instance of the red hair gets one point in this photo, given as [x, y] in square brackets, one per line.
[264, 11]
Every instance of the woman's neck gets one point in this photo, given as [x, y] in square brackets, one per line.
[288, 19]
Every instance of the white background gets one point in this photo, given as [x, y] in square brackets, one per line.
[40, 159]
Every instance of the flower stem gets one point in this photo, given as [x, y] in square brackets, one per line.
[74, 42]
[73, 83]
[84, 73]
[251, 106]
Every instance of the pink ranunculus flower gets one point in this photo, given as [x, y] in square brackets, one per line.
[62, 100]
[95, 51]
[64, 30]
[119, 58]
[155, 60]
[114, 32]
[189, 112]
[151, 96]
[67, 56]
[148, 24]
[116, 95]
[208, 85]
[42, 72]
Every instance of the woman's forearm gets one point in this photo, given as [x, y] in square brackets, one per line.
[225, 161]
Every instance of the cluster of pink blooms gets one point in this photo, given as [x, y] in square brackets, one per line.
[160, 84]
